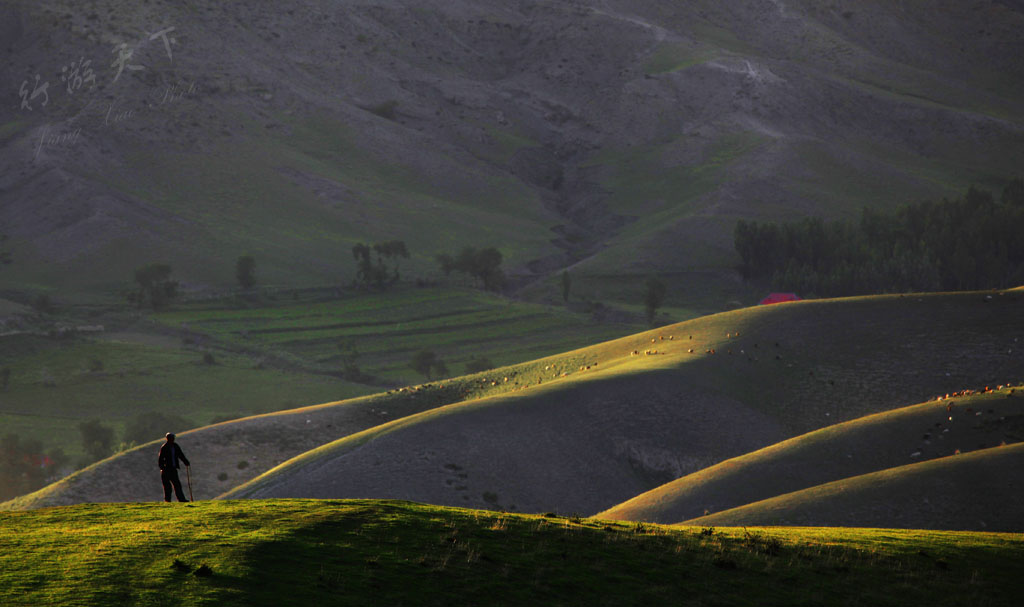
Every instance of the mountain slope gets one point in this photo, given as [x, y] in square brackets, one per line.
[481, 123]
[869, 444]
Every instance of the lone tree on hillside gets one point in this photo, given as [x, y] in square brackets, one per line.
[478, 364]
[97, 439]
[566, 285]
[349, 355]
[482, 264]
[427, 363]
[653, 298]
[378, 274]
[245, 271]
[155, 286]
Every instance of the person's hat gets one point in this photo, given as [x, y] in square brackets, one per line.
[169, 436]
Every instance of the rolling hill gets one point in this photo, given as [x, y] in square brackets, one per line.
[874, 443]
[976, 491]
[583, 431]
[573, 444]
[292, 132]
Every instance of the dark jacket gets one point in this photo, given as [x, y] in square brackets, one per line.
[170, 454]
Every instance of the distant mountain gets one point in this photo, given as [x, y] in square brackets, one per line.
[616, 138]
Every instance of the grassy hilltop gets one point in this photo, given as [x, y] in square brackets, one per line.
[303, 552]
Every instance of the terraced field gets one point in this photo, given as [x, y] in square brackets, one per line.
[387, 329]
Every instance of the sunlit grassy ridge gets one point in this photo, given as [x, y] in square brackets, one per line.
[869, 444]
[302, 552]
[978, 490]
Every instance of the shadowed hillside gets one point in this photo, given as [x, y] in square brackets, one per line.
[977, 491]
[885, 440]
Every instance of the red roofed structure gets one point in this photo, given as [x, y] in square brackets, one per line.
[775, 298]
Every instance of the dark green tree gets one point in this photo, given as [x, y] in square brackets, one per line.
[364, 265]
[97, 439]
[446, 262]
[156, 288]
[349, 355]
[20, 469]
[484, 265]
[427, 363]
[391, 250]
[1013, 193]
[153, 425]
[245, 271]
[478, 364]
[654, 296]
[378, 274]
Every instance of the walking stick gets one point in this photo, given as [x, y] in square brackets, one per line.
[188, 473]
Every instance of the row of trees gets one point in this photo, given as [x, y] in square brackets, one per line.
[484, 265]
[377, 266]
[157, 289]
[972, 242]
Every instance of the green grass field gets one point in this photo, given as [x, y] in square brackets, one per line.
[302, 552]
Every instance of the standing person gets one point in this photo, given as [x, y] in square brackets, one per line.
[170, 455]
